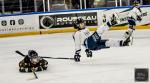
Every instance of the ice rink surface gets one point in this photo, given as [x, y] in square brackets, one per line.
[113, 65]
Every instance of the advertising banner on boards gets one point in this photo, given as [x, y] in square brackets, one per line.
[66, 20]
[13, 24]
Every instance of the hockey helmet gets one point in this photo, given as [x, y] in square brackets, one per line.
[80, 20]
[77, 23]
[136, 3]
[33, 55]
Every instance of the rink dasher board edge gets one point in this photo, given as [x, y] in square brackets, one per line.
[50, 31]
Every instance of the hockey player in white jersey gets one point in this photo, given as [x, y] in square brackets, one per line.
[93, 41]
[134, 15]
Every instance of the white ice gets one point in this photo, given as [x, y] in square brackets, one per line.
[113, 65]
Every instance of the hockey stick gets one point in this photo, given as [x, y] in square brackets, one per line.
[18, 52]
[58, 58]
[35, 75]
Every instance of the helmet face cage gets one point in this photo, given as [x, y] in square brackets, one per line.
[35, 60]
[33, 55]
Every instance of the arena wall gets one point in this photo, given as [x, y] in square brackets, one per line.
[61, 21]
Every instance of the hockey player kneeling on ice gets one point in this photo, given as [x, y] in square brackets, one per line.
[32, 62]
[93, 41]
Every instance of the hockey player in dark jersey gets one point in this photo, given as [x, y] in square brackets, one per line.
[93, 41]
[32, 62]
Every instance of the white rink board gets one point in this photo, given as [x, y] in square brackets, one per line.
[31, 22]
[20, 23]
[122, 17]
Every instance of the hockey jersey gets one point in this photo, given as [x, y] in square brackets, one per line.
[79, 38]
[26, 66]
[81, 35]
[135, 13]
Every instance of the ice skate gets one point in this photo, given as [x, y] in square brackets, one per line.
[128, 38]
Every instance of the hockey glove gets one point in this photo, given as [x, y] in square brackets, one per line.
[88, 53]
[77, 57]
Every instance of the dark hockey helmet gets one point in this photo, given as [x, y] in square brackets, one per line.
[136, 3]
[77, 23]
[80, 20]
[32, 54]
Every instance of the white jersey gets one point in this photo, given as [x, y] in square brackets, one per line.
[134, 13]
[81, 35]
[79, 38]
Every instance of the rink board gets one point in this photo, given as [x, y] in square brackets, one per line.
[50, 31]
[61, 21]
